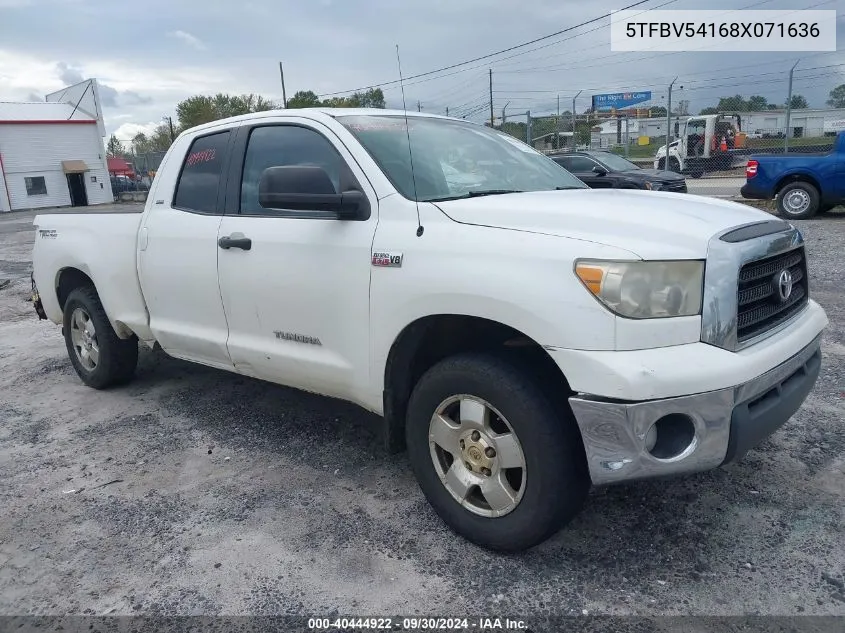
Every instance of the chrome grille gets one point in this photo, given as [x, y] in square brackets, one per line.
[760, 307]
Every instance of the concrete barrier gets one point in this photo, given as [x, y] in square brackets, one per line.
[131, 196]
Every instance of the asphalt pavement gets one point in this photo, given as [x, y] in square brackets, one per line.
[196, 491]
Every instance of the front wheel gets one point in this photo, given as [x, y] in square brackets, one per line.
[496, 461]
[798, 200]
[99, 356]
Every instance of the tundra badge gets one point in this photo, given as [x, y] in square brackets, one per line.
[387, 259]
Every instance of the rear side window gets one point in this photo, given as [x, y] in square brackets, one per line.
[581, 164]
[199, 181]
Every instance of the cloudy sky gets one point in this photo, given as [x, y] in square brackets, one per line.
[150, 55]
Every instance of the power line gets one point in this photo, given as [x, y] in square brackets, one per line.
[488, 56]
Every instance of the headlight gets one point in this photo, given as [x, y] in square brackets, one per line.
[654, 186]
[645, 290]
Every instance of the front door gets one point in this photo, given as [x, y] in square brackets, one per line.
[76, 186]
[297, 295]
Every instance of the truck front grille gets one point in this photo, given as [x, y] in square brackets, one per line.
[761, 300]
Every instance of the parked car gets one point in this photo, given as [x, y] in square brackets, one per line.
[605, 170]
[524, 341]
[802, 184]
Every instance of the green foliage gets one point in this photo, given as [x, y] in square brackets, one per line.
[710, 110]
[158, 141]
[837, 97]
[798, 102]
[115, 148]
[204, 109]
[372, 98]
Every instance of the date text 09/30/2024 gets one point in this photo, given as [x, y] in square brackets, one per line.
[417, 624]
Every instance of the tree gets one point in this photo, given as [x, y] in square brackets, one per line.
[710, 110]
[304, 99]
[732, 104]
[837, 97]
[158, 141]
[115, 148]
[204, 109]
[372, 98]
[657, 112]
[757, 103]
[798, 102]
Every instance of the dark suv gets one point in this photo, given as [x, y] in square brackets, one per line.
[599, 169]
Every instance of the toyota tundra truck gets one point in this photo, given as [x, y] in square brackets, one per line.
[523, 336]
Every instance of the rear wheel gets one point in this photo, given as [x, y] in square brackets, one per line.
[674, 165]
[497, 462]
[100, 357]
[798, 200]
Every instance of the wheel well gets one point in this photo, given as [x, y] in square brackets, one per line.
[797, 178]
[69, 280]
[429, 340]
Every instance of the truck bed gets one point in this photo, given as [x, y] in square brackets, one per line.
[101, 244]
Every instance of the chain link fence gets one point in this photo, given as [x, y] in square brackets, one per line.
[713, 157]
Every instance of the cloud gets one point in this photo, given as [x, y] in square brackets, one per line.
[191, 40]
[128, 131]
[32, 96]
[69, 74]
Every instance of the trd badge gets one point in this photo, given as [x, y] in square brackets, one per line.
[387, 259]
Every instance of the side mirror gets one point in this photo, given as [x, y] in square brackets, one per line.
[308, 188]
[599, 170]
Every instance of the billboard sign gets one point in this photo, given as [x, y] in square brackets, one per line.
[619, 100]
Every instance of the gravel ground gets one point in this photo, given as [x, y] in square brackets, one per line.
[195, 491]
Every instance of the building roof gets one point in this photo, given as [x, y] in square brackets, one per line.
[40, 112]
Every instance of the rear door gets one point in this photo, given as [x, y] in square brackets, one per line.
[297, 300]
[177, 256]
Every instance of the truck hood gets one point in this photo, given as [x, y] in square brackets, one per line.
[653, 225]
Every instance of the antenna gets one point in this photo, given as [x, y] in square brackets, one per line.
[420, 228]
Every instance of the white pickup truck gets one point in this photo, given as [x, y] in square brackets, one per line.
[522, 335]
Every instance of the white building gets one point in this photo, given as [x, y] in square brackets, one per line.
[52, 153]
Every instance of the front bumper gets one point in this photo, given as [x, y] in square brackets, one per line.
[723, 424]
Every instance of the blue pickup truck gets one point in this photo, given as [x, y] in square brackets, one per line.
[802, 184]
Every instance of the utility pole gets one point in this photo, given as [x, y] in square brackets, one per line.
[504, 117]
[528, 127]
[668, 121]
[557, 125]
[447, 110]
[284, 94]
[419, 107]
[788, 109]
[573, 117]
[490, 71]
[172, 133]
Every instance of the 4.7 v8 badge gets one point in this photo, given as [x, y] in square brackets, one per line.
[387, 259]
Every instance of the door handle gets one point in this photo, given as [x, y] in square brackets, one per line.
[235, 240]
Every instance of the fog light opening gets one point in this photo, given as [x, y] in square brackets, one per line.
[670, 436]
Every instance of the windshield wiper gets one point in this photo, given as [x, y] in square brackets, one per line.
[475, 194]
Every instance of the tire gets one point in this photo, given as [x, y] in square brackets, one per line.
[86, 327]
[697, 174]
[674, 165]
[661, 164]
[798, 200]
[555, 479]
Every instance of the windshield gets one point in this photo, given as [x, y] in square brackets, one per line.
[614, 162]
[454, 159]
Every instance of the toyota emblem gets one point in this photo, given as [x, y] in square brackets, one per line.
[784, 284]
